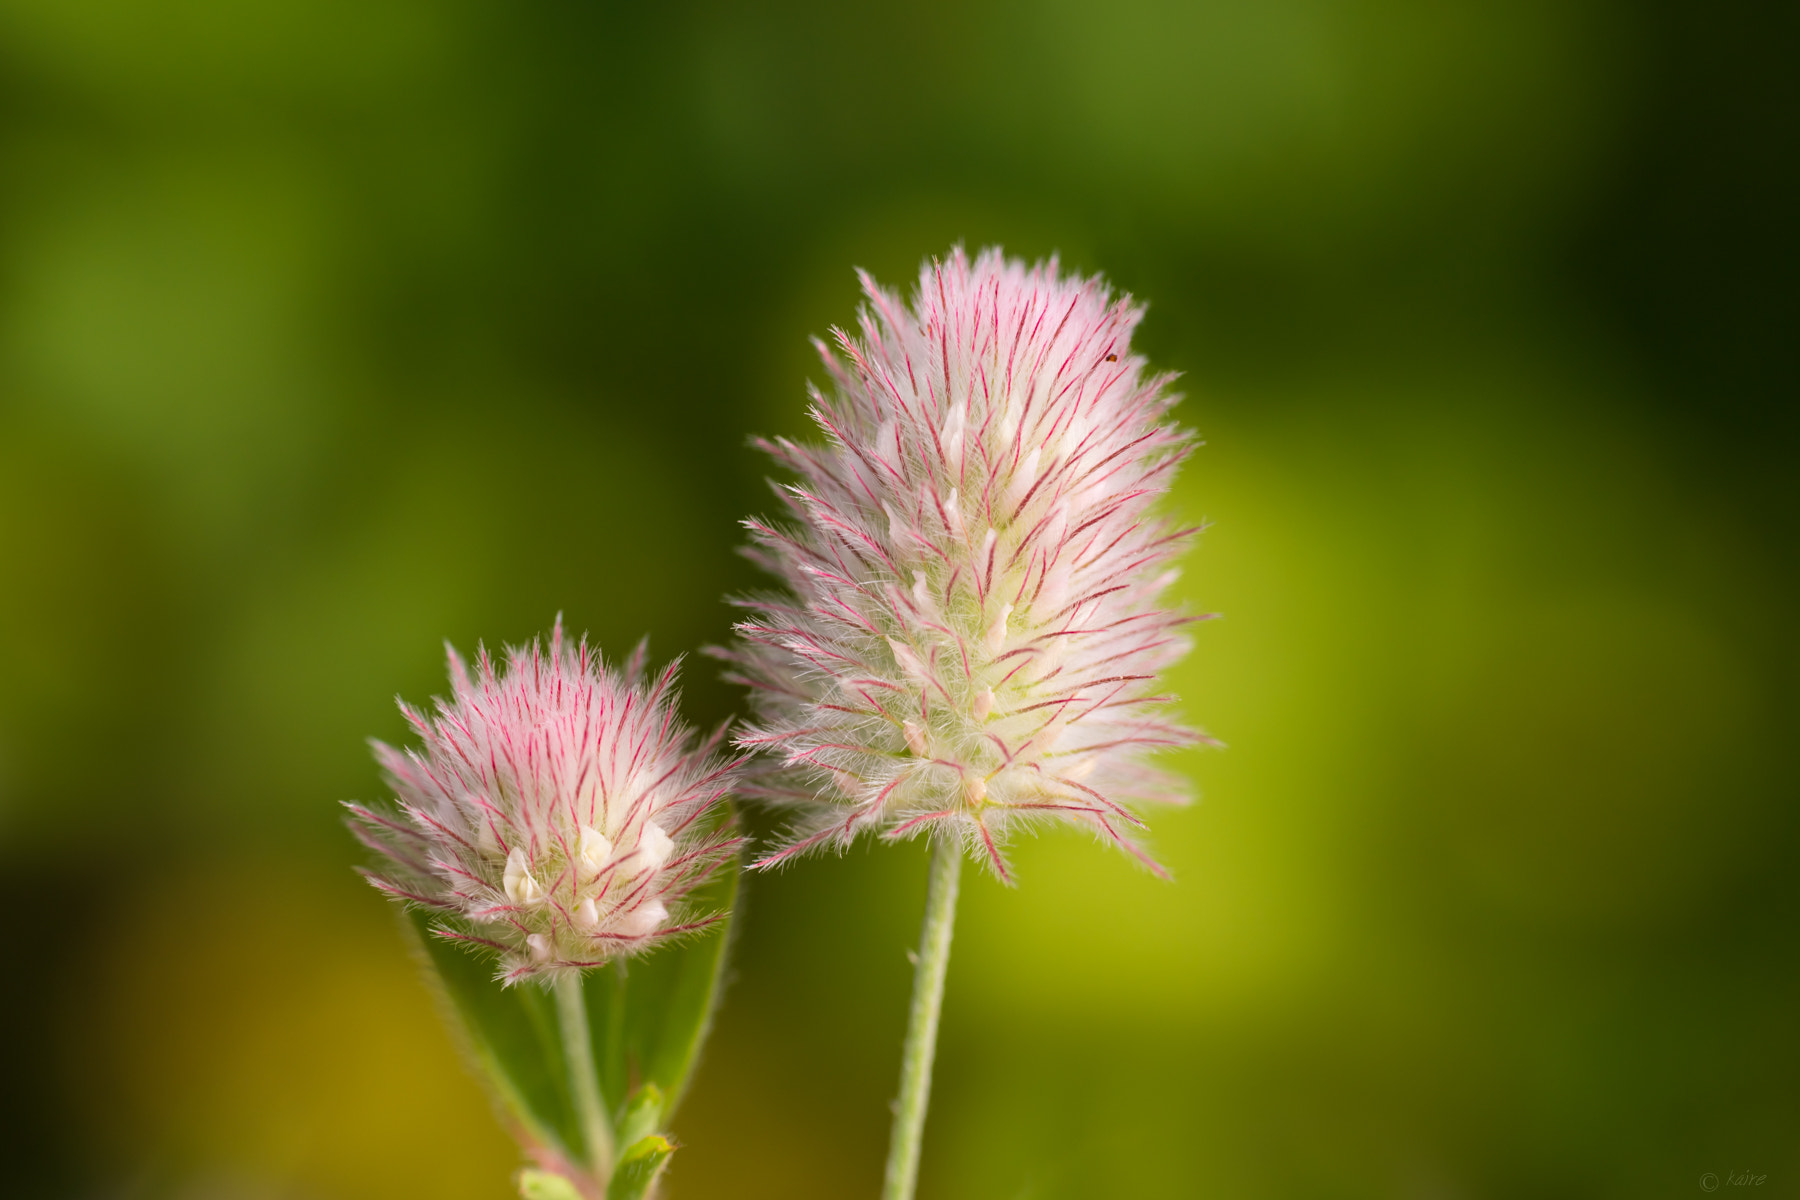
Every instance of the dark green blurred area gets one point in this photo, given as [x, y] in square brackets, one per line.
[329, 331]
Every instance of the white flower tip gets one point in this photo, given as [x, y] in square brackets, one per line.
[654, 847]
[915, 738]
[587, 914]
[974, 789]
[909, 662]
[1024, 477]
[592, 849]
[984, 703]
[921, 594]
[953, 423]
[521, 888]
[996, 634]
[953, 515]
[539, 945]
[645, 919]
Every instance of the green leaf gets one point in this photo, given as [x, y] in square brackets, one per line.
[639, 1167]
[513, 1038]
[544, 1185]
[649, 1015]
[646, 1017]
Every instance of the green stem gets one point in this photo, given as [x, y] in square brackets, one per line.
[584, 1083]
[922, 1024]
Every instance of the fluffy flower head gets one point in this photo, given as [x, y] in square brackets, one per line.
[558, 813]
[971, 630]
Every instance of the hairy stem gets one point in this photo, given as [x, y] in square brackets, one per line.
[922, 1024]
[584, 1083]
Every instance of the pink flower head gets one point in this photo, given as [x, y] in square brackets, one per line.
[972, 631]
[558, 814]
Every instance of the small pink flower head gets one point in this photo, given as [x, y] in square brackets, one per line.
[558, 813]
[972, 630]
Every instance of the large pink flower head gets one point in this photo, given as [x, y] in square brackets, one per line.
[558, 813]
[972, 632]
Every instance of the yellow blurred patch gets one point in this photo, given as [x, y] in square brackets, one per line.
[254, 1025]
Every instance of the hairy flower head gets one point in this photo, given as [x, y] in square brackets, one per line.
[972, 628]
[558, 813]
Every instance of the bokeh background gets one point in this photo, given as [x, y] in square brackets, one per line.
[330, 330]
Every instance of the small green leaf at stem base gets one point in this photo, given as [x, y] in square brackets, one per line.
[642, 1115]
[639, 1168]
[545, 1185]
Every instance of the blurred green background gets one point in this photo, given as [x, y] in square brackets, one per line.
[329, 330]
